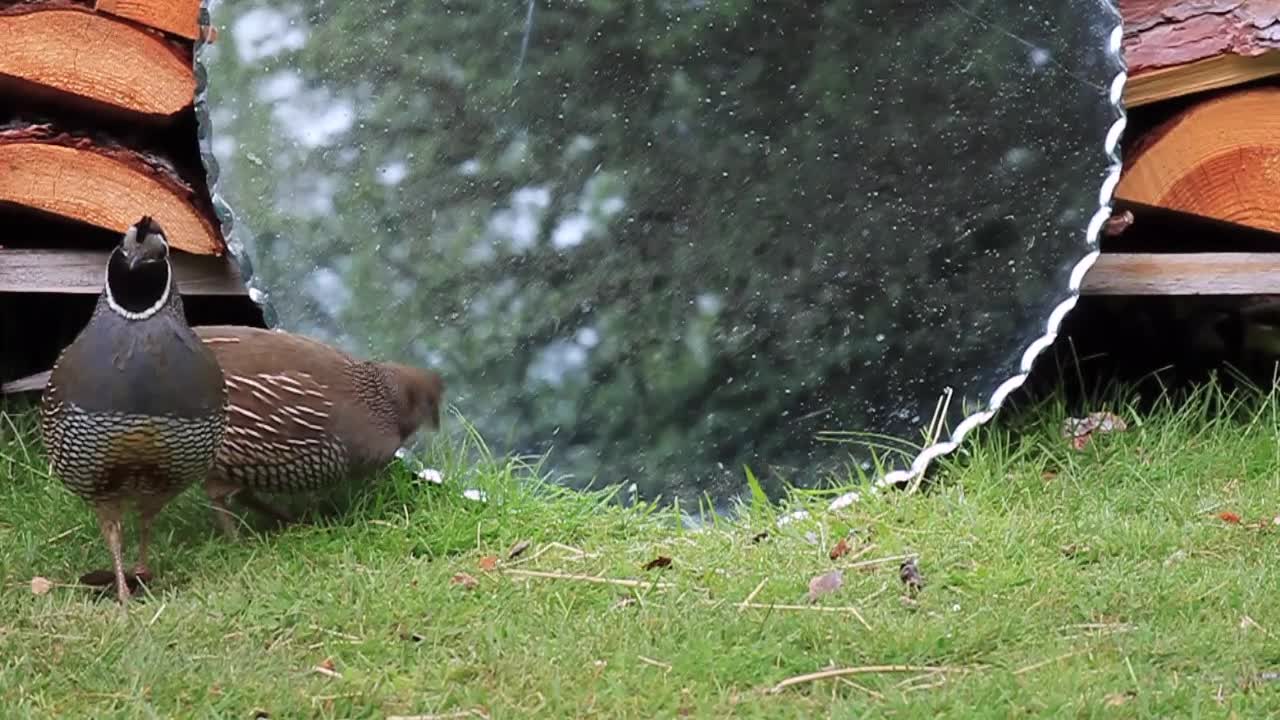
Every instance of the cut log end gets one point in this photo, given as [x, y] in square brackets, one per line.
[1219, 159]
[179, 17]
[106, 189]
[122, 66]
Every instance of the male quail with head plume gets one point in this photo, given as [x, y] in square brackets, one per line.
[303, 415]
[135, 407]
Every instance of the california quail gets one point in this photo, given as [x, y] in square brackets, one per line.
[135, 407]
[303, 415]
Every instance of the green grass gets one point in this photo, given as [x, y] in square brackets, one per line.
[1059, 584]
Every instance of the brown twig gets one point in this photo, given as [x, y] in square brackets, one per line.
[861, 670]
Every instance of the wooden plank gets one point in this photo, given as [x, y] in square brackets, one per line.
[179, 17]
[1200, 76]
[81, 272]
[1178, 47]
[30, 383]
[1184, 274]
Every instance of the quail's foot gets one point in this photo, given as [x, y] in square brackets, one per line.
[105, 579]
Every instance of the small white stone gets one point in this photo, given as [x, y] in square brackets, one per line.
[476, 495]
[844, 501]
[792, 517]
[432, 476]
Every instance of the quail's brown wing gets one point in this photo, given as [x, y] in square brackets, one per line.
[280, 432]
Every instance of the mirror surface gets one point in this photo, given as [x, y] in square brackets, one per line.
[664, 239]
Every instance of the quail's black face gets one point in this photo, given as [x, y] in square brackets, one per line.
[138, 271]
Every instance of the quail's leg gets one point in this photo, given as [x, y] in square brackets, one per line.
[251, 500]
[148, 507]
[110, 514]
[219, 492]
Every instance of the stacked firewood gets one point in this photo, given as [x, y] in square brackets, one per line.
[97, 127]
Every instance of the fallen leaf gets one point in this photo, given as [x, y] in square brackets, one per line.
[659, 562]
[327, 668]
[910, 575]
[825, 584]
[1229, 517]
[40, 585]
[1081, 430]
[764, 535]
[840, 550]
[488, 563]
[1048, 475]
[464, 580]
[517, 549]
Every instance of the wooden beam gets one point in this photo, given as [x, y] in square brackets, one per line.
[1200, 76]
[100, 183]
[69, 49]
[81, 272]
[1218, 159]
[178, 17]
[30, 383]
[1178, 47]
[1184, 274]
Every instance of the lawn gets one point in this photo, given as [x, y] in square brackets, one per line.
[1131, 578]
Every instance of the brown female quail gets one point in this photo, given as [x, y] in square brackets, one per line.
[135, 406]
[303, 415]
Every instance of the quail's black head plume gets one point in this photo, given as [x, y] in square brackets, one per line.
[135, 406]
[303, 415]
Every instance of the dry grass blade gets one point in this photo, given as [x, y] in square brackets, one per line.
[752, 595]
[588, 578]
[1036, 666]
[847, 609]
[473, 713]
[860, 670]
[655, 663]
[863, 688]
[878, 561]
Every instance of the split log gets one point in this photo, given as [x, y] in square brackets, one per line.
[1180, 47]
[100, 183]
[63, 47]
[1218, 159]
[179, 17]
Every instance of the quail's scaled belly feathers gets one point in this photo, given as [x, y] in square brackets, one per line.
[303, 415]
[134, 409]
